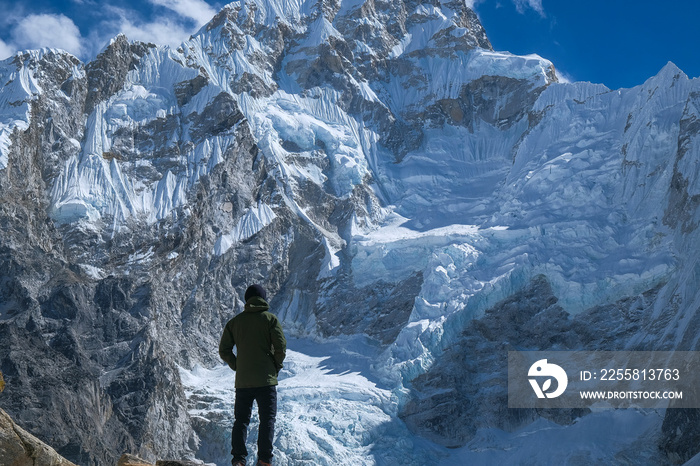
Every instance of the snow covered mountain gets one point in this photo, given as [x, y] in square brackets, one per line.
[416, 202]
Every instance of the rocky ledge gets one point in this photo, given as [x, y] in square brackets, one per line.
[131, 460]
[20, 448]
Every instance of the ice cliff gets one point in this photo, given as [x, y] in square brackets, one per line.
[415, 202]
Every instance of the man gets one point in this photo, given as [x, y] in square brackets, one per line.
[262, 347]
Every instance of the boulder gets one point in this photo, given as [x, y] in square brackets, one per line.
[131, 460]
[20, 448]
[176, 463]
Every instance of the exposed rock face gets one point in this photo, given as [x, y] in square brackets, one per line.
[379, 168]
[20, 448]
[379, 310]
[680, 435]
[176, 463]
[106, 74]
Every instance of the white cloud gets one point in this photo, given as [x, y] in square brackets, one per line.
[522, 5]
[564, 77]
[175, 24]
[130, 23]
[6, 50]
[171, 29]
[57, 31]
[165, 32]
[197, 10]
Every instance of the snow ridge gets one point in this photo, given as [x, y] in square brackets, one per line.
[406, 148]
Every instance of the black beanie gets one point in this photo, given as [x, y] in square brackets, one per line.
[255, 290]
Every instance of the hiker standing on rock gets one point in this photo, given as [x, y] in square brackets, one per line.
[261, 348]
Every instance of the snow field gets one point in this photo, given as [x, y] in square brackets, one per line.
[319, 131]
[330, 409]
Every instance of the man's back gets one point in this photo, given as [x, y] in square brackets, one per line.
[261, 346]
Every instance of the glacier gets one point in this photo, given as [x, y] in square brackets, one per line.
[395, 182]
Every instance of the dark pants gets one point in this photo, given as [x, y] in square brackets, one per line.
[266, 397]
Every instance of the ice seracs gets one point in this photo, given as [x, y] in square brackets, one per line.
[389, 174]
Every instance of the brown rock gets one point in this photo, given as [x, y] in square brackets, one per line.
[20, 448]
[131, 460]
[176, 463]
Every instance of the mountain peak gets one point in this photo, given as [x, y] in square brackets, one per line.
[383, 173]
[107, 72]
[671, 69]
[668, 73]
[31, 58]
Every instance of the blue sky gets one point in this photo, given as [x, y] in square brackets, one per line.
[619, 43]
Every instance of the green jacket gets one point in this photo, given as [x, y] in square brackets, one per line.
[261, 345]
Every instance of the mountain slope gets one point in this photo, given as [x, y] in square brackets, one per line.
[400, 189]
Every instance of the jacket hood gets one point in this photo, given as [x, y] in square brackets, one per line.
[256, 304]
